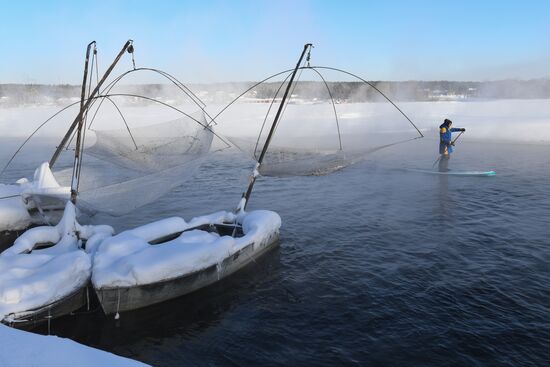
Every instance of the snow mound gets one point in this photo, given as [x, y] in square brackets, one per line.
[16, 200]
[13, 211]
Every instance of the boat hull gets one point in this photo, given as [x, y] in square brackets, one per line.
[31, 318]
[121, 299]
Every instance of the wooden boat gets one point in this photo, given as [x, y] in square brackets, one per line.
[31, 318]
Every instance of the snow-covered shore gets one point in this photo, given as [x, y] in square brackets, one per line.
[23, 349]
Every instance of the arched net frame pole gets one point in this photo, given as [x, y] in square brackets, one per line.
[333, 108]
[100, 97]
[196, 100]
[34, 133]
[314, 68]
[249, 89]
[293, 89]
[246, 196]
[275, 97]
[87, 104]
[206, 126]
[375, 88]
[277, 93]
[123, 120]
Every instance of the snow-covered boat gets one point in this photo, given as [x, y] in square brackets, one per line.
[45, 273]
[170, 258]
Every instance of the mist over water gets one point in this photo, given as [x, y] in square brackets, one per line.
[377, 265]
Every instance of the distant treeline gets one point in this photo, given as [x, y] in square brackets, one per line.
[420, 90]
[21, 94]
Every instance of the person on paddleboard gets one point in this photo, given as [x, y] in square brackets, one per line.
[446, 143]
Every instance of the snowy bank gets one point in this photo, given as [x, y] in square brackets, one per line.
[22, 349]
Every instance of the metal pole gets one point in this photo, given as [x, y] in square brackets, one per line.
[87, 105]
[255, 173]
[74, 181]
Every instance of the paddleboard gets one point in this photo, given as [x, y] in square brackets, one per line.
[457, 173]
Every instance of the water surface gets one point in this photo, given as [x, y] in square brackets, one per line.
[377, 265]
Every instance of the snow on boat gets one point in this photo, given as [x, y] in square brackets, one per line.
[44, 274]
[28, 203]
[170, 258]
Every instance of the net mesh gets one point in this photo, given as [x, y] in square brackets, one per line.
[291, 160]
[124, 170]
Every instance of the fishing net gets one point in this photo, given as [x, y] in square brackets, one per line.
[130, 167]
[325, 126]
[291, 160]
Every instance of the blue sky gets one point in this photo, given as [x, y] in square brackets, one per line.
[209, 41]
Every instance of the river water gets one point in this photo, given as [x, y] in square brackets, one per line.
[377, 265]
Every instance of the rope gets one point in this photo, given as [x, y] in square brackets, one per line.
[133, 60]
[9, 197]
[96, 66]
[117, 315]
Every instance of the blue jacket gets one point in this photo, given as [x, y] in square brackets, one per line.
[445, 138]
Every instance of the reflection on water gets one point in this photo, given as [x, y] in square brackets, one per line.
[443, 165]
[183, 318]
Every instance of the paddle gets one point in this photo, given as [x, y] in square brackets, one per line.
[458, 136]
[452, 143]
